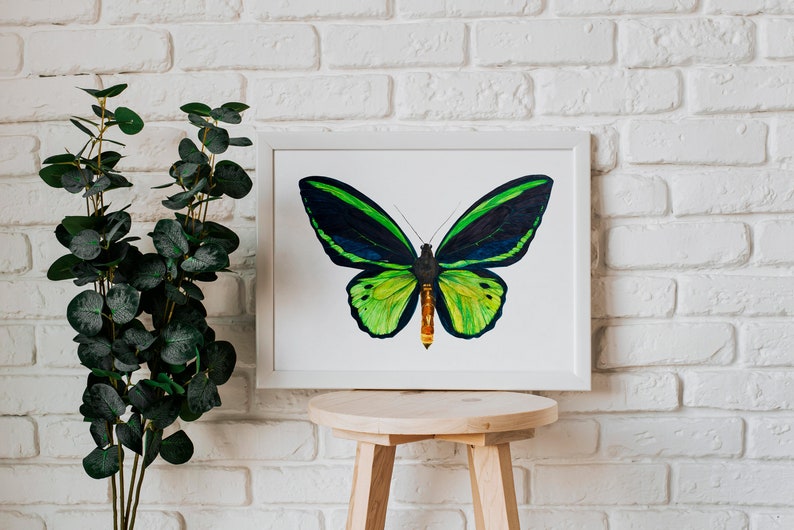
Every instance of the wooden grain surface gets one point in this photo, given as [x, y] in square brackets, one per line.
[431, 412]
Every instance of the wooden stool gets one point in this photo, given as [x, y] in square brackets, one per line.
[485, 421]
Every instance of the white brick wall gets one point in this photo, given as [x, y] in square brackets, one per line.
[689, 103]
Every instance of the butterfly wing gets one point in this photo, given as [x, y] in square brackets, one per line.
[353, 230]
[382, 302]
[495, 232]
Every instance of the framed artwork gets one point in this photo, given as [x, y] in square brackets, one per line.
[432, 260]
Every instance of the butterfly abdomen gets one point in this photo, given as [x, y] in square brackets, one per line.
[426, 271]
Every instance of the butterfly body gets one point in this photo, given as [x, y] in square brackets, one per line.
[455, 282]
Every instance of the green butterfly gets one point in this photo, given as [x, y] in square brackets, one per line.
[494, 232]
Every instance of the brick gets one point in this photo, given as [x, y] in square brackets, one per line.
[588, 484]
[65, 436]
[677, 245]
[622, 393]
[736, 295]
[197, 485]
[143, 12]
[33, 99]
[322, 97]
[243, 336]
[82, 519]
[733, 191]
[123, 50]
[273, 401]
[392, 45]
[734, 483]
[630, 196]
[235, 394]
[768, 344]
[679, 519]
[254, 519]
[427, 518]
[66, 485]
[256, 46]
[34, 12]
[563, 439]
[628, 296]
[441, 485]
[749, 89]
[669, 42]
[316, 484]
[772, 520]
[16, 253]
[54, 345]
[562, 519]
[621, 7]
[629, 437]
[605, 91]
[782, 139]
[742, 390]
[467, 8]
[17, 347]
[773, 243]
[748, 7]
[36, 298]
[544, 42]
[283, 440]
[11, 58]
[22, 394]
[223, 297]
[308, 9]
[777, 38]
[20, 520]
[159, 96]
[464, 96]
[153, 149]
[666, 344]
[604, 148]
[18, 156]
[17, 438]
[770, 438]
[695, 141]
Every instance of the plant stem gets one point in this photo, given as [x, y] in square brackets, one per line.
[137, 498]
[132, 483]
[121, 487]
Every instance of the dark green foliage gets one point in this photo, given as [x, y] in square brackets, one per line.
[183, 363]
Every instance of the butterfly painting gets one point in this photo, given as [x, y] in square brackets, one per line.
[455, 282]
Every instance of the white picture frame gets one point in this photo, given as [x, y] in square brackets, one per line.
[306, 337]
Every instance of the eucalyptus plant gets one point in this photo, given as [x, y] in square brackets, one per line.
[142, 328]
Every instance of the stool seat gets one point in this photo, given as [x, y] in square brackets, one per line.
[485, 421]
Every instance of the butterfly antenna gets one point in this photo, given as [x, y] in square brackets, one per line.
[409, 224]
[445, 221]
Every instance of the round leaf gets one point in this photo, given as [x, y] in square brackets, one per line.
[52, 174]
[130, 434]
[208, 258]
[149, 272]
[151, 445]
[105, 401]
[76, 180]
[84, 313]
[142, 396]
[214, 138]
[169, 239]
[196, 108]
[232, 179]
[164, 412]
[220, 235]
[180, 343]
[235, 106]
[123, 299]
[189, 152]
[220, 359]
[129, 122]
[226, 115]
[86, 244]
[110, 92]
[202, 394]
[99, 432]
[177, 448]
[102, 463]
[61, 269]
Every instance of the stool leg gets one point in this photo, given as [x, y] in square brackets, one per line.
[492, 487]
[371, 483]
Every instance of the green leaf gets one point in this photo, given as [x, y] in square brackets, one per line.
[99, 432]
[173, 293]
[151, 444]
[221, 235]
[122, 300]
[130, 434]
[74, 224]
[215, 139]
[138, 338]
[169, 239]
[185, 414]
[65, 158]
[177, 448]
[85, 273]
[108, 115]
[84, 313]
[208, 258]
[198, 121]
[180, 200]
[110, 92]
[235, 106]
[61, 268]
[117, 181]
[232, 179]
[220, 359]
[149, 272]
[202, 393]
[52, 174]
[190, 153]
[76, 180]
[106, 402]
[94, 352]
[163, 412]
[119, 223]
[83, 128]
[142, 395]
[180, 342]
[114, 255]
[98, 186]
[240, 141]
[226, 115]
[86, 245]
[196, 108]
[102, 463]
[192, 290]
[129, 122]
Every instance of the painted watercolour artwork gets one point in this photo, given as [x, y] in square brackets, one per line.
[489, 291]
